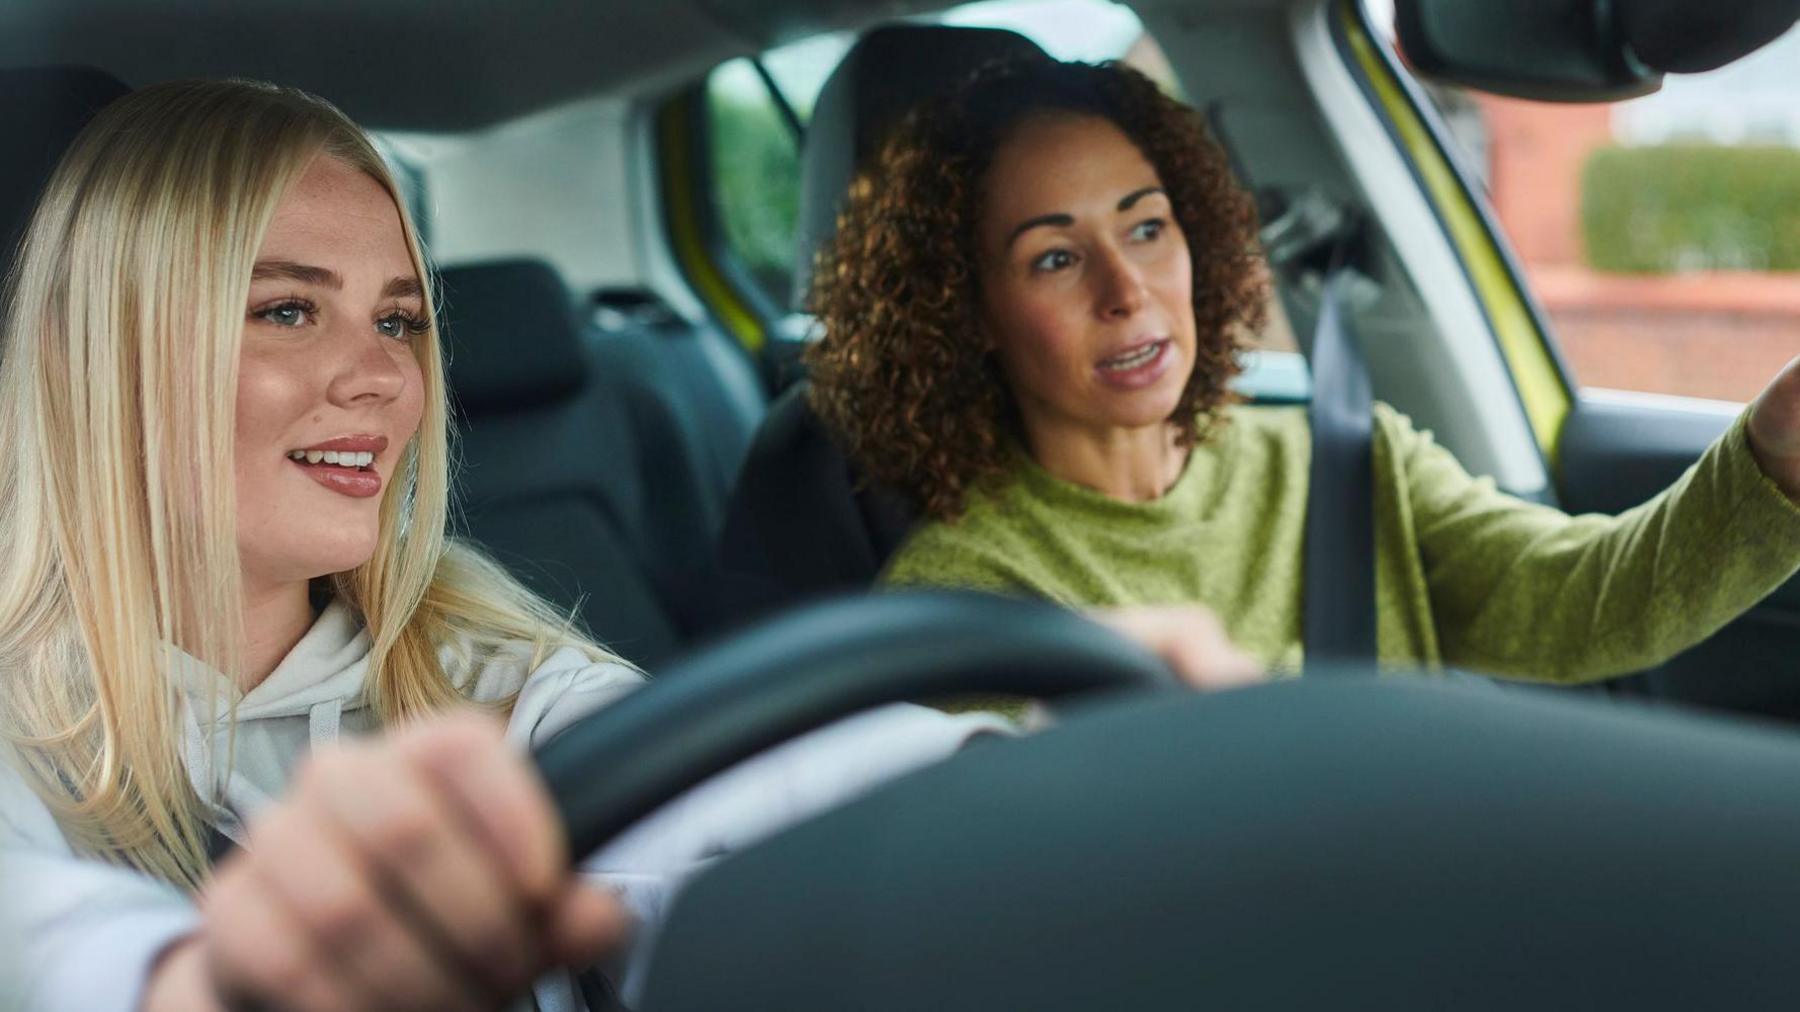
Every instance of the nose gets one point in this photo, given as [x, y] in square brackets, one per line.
[364, 372]
[1119, 286]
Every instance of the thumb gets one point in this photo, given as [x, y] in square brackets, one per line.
[587, 925]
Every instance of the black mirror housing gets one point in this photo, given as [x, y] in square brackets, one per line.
[1547, 50]
[1581, 50]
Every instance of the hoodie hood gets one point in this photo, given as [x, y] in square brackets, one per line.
[328, 665]
[242, 764]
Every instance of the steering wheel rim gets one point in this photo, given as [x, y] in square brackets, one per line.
[808, 668]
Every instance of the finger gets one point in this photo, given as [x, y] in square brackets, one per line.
[260, 957]
[1236, 669]
[1228, 665]
[503, 801]
[457, 896]
[588, 925]
[330, 888]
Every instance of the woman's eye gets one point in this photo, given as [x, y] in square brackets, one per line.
[401, 326]
[286, 314]
[1148, 231]
[1053, 260]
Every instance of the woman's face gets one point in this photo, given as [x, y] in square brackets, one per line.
[329, 388]
[1087, 290]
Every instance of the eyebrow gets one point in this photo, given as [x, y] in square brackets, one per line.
[398, 287]
[1065, 220]
[401, 288]
[1134, 196]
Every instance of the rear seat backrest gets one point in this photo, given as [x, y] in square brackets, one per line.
[585, 466]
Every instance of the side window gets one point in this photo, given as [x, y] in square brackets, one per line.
[752, 112]
[1661, 235]
[755, 110]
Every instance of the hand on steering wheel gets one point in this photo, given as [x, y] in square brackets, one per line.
[1190, 639]
[426, 870]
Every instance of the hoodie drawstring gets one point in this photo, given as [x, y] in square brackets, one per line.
[322, 721]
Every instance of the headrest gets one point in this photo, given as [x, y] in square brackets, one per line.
[889, 71]
[510, 331]
[45, 108]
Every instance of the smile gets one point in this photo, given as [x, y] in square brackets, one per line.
[344, 465]
[343, 459]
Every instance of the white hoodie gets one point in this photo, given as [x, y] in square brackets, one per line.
[81, 934]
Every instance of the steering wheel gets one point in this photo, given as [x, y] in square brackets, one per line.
[808, 668]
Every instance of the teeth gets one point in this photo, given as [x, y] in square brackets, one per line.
[342, 458]
[1134, 359]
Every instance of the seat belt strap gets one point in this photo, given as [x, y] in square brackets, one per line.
[1339, 603]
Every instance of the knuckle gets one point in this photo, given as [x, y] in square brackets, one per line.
[323, 768]
[281, 971]
[462, 729]
[502, 953]
[221, 894]
[404, 835]
[342, 914]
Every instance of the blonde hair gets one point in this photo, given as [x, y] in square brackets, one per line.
[118, 380]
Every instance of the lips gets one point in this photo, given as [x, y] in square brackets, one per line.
[355, 444]
[1134, 356]
[1136, 366]
[345, 464]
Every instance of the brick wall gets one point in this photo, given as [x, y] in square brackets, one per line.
[1720, 336]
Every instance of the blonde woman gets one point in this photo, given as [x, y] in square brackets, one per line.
[222, 549]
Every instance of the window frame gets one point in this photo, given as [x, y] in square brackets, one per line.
[693, 229]
[1521, 329]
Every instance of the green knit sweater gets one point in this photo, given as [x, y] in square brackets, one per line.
[1465, 574]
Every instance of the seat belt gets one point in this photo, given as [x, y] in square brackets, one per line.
[1338, 616]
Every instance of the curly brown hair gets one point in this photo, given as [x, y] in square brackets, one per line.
[902, 372]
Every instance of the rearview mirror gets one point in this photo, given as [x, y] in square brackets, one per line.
[1581, 50]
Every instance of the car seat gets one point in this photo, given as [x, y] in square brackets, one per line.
[802, 522]
[43, 110]
[578, 469]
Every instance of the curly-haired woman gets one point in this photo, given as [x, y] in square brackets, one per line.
[1032, 312]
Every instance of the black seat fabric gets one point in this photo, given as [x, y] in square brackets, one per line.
[889, 71]
[41, 111]
[701, 372]
[785, 542]
[581, 470]
[802, 522]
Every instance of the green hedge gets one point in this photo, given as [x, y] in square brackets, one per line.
[1691, 207]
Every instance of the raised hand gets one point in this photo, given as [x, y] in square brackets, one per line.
[1775, 430]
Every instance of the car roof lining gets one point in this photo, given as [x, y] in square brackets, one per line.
[416, 64]
[426, 66]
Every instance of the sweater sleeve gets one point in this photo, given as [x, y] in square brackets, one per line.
[75, 933]
[1525, 590]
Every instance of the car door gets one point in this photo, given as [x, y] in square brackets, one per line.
[1644, 308]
